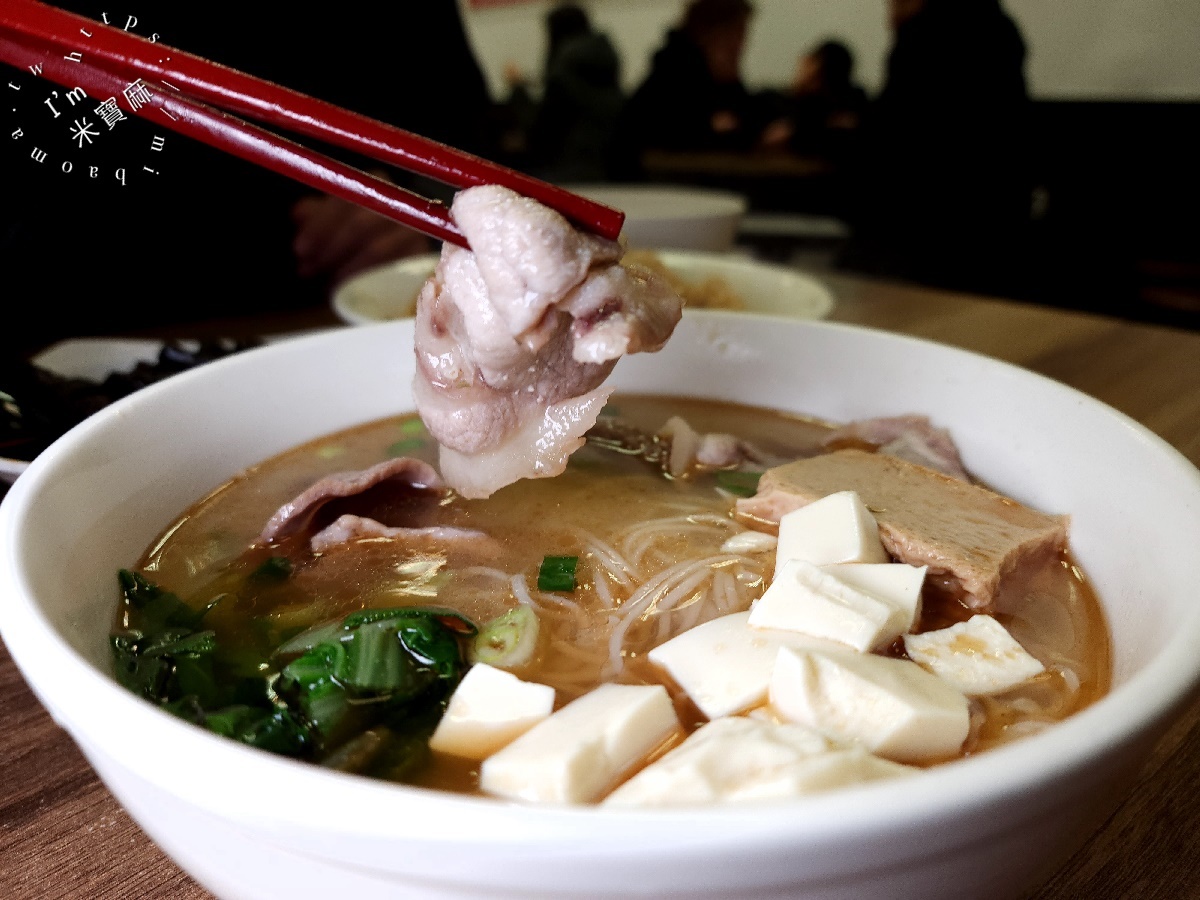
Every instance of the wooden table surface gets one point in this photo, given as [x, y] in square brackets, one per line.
[62, 835]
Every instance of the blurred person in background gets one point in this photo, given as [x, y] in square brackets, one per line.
[210, 235]
[693, 98]
[567, 132]
[943, 182]
[822, 109]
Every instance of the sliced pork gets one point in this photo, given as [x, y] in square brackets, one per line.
[347, 528]
[976, 543]
[515, 337]
[399, 493]
[911, 437]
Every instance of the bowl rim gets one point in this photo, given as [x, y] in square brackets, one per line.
[1153, 693]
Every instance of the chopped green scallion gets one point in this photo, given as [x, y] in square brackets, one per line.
[507, 641]
[557, 573]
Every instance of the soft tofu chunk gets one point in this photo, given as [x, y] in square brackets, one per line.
[489, 708]
[581, 751]
[835, 529]
[724, 665]
[978, 656]
[973, 540]
[898, 583]
[740, 760]
[892, 707]
[810, 600]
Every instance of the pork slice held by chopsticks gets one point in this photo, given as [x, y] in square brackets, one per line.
[515, 337]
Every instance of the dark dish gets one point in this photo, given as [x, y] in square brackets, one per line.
[37, 405]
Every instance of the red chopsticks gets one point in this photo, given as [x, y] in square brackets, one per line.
[196, 97]
[186, 116]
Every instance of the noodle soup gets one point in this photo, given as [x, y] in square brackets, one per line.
[652, 561]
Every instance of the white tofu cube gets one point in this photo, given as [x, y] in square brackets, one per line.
[724, 665]
[581, 751]
[837, 528]
[807, 599]
[488, 709]
[892, 707]
[978, 656]
[898, 583]
[740, 760]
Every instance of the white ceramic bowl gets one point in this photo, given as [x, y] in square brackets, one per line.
[248, 824]
[675, 217]
[389, 292]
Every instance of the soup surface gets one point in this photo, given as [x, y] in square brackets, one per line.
[650, 561]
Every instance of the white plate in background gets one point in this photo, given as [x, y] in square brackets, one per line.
[390, 291]
[672, 217]
[95, 358]
[383, 293]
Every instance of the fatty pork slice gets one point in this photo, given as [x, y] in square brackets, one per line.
[389, 500]
[977, 544]
[515, 337]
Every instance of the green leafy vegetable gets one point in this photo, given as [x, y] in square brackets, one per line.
[743, 484]
[357, 754]
[309, 684]
[162, 656]
[156, 608]
[310, 637]
[277, 568]
[376, 662]
[382, 672]
[557, 573]
[455, 621]
[275, 730]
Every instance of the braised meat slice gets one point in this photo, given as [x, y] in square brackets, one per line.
[975, 542]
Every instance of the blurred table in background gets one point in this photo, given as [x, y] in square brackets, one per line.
[62, 835]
